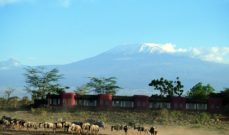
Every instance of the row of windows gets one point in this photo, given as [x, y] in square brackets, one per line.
[54, 101]
[191, 106]
[87, 103]
[188, 106]
[130, 104]
[159, 105]
[123, 104]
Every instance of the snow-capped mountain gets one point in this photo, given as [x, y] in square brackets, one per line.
[9, 64]
[137, 64]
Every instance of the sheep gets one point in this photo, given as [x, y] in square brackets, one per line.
[28, 125]
[21, 123]
[94, 129]
[153, 131]
[116, 127]
[125, 128]
[49, 125]
[66, 125]
[58, 125]
[75, 128]
[6, 124]
[86, 127]
[141, 129]
[101, 124]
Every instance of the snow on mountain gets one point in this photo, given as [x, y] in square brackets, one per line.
[160, 48]
[9, 64]
[212, 54]
[136, 65]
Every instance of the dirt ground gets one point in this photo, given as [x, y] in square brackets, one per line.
[162, 130]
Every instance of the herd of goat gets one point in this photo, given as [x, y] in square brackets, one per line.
[89, 127]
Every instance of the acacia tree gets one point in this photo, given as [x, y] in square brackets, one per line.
[167, 87]
[40, 82]
[8, 93]
[201, 91]
[103, 85]
[13, 101]
[5, 100]
[25, 101]
[82, 90]
[178, 87]
[225, 92]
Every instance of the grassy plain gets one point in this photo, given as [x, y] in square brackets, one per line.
[167, 122]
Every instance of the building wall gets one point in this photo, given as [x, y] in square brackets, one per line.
[105, 101]
[215, 105]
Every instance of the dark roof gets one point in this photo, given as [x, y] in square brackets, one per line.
[89, 97]
[159, 98]
[194, 100]
[123, 98]
[53, 96]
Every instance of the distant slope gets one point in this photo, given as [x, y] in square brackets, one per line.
[134, 66]
[135, 69]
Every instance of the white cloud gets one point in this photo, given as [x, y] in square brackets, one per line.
[212, 54]
[161, 48]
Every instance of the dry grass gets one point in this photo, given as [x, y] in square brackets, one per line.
[168, 123]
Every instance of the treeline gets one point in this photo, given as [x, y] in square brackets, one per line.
[41, 81]
[175, 88]
[7, 101]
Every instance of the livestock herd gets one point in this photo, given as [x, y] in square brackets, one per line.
[89, 127]
[139, 128]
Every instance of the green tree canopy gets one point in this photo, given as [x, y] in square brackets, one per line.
[167, 87]
[8, 92]
[25, 101]
[82, 90]
[103, 85]
[201, 91]
[40, 82]
[225, 92]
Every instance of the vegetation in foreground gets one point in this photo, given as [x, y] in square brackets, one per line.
[158, 117]
[166, 121]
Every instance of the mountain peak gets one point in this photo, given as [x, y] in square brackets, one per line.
[150, 48]
[213, 54]
[160, 48]
[9, 64]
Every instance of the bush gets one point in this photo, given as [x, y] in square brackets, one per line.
[203, 118]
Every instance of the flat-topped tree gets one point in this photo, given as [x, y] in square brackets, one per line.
[41, 81]
[82, 90]
[103, 85]
[167, 87]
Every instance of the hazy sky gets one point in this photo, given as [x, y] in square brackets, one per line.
[62, 31]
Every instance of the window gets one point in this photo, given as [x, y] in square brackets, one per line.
[190, 106]
[58, 101]
[201, 106]
[54, 101]
[175, 105]
[101, 102]
[49, 101]
[107, 103]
